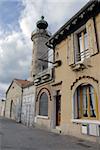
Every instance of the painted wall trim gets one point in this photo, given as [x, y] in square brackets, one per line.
[42, 117]
[86, 121]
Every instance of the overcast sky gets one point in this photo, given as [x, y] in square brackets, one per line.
[17, 20]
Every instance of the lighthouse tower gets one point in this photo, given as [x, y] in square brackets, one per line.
[40, 51]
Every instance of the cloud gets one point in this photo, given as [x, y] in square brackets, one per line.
[56, 13]
[28, 17]
[16, 45]
[14, 50]
[4, 86]
[59, 12]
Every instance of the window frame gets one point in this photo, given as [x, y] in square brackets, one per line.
[78, 113]
[77, 47]
[39, 113]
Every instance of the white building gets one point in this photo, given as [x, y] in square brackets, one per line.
[28, 105]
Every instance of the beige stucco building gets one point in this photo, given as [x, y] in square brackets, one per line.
[77, 81]
[44, 98]
[14, 99]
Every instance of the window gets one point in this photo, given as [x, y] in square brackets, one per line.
[85, 102]
[43, 67]
[82, 52]
[43, 105]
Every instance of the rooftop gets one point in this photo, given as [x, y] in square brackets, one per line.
[80, 18]
[22, 82]
[42, 24]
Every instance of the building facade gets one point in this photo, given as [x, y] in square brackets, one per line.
[76, 98]
[14, 99]
[20, 103]
[28, 105]
[63, 96]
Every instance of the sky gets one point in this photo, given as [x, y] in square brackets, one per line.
[17, 21]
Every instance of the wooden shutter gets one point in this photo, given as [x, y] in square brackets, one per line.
[92, 44]
[98, 29]
[76, 48]
[70, 49]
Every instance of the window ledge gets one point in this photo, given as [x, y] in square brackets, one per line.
[79, 62]
[42, 117]
[78, 66]
[86, 121]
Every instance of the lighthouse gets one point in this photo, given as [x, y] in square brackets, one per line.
[40, 51]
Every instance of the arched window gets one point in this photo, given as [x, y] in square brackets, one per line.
[85, 102]
[43, 104]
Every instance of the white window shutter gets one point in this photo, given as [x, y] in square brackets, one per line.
[92, 44]
[70, 49]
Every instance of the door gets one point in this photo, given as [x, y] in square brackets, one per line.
[11, 108]
[28, 113]
[58, 108]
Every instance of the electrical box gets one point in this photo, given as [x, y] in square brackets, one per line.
[84, 128]
[94, 130]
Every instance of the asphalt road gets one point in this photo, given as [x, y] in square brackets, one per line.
[15, 136]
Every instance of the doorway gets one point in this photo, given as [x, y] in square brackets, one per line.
[58, 108]
[11, 107]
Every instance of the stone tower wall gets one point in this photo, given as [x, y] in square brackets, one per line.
[40, 50]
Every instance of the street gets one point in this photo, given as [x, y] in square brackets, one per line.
[15, 136]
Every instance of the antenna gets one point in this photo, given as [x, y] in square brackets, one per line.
[41, 11]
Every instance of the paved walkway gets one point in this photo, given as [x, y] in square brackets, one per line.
[15, 136]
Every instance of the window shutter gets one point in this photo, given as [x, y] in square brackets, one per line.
[98, 29]
[92, 44]
[76, 48]
[70, 47]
